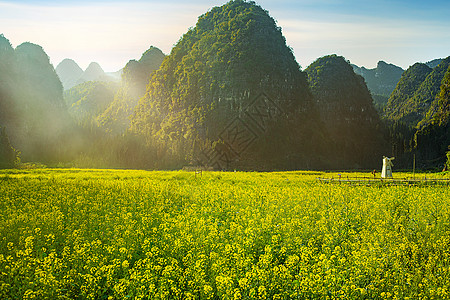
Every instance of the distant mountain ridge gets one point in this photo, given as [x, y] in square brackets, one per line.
[31, 102]
[70, 73]
[381, 81]
[434, 63]
[109, 105]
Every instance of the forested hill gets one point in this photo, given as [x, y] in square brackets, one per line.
[432, 139]
[230, 94]
[87, 101]
[414, 111]
[135, 77]
[69, 72]
[381, 81]
[415, 93]
[353, 125]
[32, 111]
[410, 81]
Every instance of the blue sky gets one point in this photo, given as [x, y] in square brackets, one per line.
[113, 32]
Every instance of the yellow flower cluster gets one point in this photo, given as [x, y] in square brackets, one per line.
[110, 234]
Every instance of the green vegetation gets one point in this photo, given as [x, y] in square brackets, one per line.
[447, 164]
[401, 97]
[417, 107]
[233, 55]
[442, 114]
[433, 137]
[135, 77]
[347, 111]
[103, 234]
[87, 101]
[31, 103]
[415, 93]
[380, 81]
[9, 157]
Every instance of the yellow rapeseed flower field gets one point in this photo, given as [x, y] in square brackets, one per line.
[122, 234]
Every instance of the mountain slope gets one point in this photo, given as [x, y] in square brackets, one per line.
[381, 81]
[233, 65]
[135, 77]
[8, 80]
[432, 140]
[347, 110]
[35, 117]
[415, 93]
[397, 107]
[88, 100]
[69, 73]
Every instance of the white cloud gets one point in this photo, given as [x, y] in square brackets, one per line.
[110, 34]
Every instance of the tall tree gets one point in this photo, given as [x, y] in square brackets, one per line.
[8, 155]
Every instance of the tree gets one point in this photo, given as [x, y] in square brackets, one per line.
[448, 159]
[443, 114]
[8, 155]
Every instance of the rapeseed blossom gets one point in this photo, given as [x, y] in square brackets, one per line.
[104, 234]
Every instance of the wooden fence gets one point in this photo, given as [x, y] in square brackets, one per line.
[424, 181]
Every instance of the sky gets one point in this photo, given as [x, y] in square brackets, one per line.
[401, 32]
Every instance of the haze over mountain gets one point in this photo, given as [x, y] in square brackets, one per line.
[70, 73]
[32, 110]
[135, 77]
[92, 73]
[88, 100]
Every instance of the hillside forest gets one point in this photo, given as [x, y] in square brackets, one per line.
[230, 95]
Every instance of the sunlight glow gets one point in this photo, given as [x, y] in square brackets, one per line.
[111, 33]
